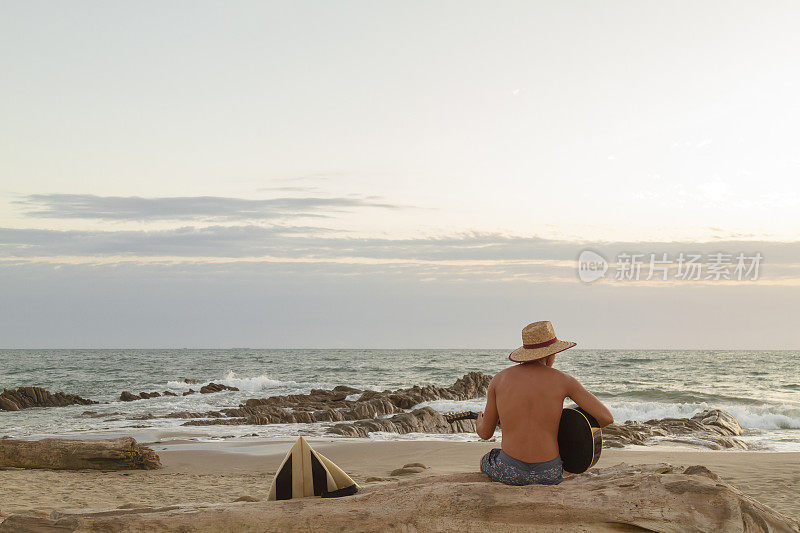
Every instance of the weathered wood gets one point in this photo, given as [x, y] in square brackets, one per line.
[621, 498]
[66, 454]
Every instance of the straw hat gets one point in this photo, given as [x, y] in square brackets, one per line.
[538, 341]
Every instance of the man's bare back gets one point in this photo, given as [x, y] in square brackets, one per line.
[529, 398]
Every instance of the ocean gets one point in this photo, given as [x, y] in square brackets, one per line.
[760, 388]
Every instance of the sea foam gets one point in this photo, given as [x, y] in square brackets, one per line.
[248, 384]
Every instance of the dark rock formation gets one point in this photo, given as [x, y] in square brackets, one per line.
[95, 414]
[8, 405]
[424, 420]
[187, 414]
[356, 413]
[68, 454]
[206, 389]
[215, 387]
[333, 406]
[126, 396]
[620, 498]
[24, 397]
[714, 429]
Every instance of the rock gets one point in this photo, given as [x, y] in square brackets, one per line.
[126, 396]
[407, 470]
[67, 454]
[247, 499]
[387, 411]
[146, 416]
[129, 397]
[415, 465]
[347, 390]
[333, 406]
[191, 381]
[424, 420]
[215, 387]
[24, 397]
[375, 479]
[726, 422]
[714, 428]
[700, 470]
[623, 497]
[188, 414]
[216, 422]
[8, 405]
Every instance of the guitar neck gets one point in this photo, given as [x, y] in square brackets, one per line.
[454, 416]
[461, 415]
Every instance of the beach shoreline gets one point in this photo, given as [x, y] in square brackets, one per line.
[221, 472]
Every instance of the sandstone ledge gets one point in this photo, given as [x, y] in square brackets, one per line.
[644, 497]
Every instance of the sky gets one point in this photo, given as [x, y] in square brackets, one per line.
[395, 174]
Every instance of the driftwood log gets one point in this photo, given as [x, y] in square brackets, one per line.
[66, 454]
[660, 498]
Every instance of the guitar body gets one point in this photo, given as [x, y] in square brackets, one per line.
[580, 438]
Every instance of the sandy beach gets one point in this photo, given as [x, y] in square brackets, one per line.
[221, 472]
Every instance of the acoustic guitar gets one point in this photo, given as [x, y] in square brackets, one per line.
[580, 438]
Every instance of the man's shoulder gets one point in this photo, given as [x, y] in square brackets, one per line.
[520, 369]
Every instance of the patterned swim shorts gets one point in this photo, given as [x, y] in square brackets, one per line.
[500, 466]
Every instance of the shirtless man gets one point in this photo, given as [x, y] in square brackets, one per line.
[529, 398]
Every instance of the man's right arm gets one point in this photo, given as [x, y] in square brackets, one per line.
[588, 401]
[488, 418]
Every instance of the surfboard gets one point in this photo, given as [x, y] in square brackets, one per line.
[305, 472]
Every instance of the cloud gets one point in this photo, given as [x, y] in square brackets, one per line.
[281, 241]
[476, 251]
[89, 206]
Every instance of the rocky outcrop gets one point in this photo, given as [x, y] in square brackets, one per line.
[714, 428]
[621, 498]
[356, 413]
[67, 454]
[24, 397]
[344, 403]
[424, 420]
[215, 387]
[126, 396]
